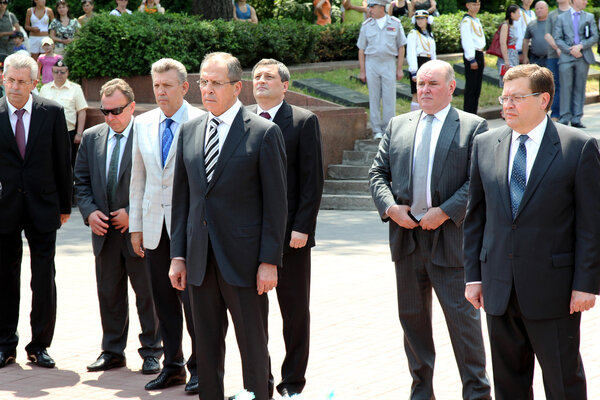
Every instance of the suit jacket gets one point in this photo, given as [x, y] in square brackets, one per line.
[151, 186]
[564, 36]
[90, 178]
[302, 138]
[391, 180]
[242, 212]
[42, 183]
[551, 248]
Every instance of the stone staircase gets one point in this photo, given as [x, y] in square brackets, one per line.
[347, 184]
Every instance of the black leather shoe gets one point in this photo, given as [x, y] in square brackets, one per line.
[107, 361]
[577, 125]
[166, 379]
[192, 386]
[41, 358]
[7, 357]
[150, 366]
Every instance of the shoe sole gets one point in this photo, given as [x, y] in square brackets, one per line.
[150, 372]
[34, 360]
[104, 368]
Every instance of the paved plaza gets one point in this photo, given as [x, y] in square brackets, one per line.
[356, 345]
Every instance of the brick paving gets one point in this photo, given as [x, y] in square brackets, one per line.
[356, 348]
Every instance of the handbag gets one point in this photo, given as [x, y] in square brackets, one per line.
[494, 48]
[503, 69]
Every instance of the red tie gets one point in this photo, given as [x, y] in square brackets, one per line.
[266, 115]
[20, 132]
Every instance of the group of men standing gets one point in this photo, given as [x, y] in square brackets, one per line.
[166, 201]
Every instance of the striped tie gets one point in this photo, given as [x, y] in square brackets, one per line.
[211, 150]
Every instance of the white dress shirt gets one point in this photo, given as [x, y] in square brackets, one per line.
[226, 121]
[26, 116]
[272, 111]
[532, 145]
[177, 117]
[112, 142]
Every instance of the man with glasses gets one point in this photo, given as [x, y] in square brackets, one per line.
[102, 178]
[228, 225]
[154, 150]
[381, 57]
[419, 182]
[36, 183]
[531, 239]
[69, 95]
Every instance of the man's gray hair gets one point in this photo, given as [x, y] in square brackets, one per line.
[20, 61]
[284, 72]
[447, 67]
[167, 64]
[234, 68]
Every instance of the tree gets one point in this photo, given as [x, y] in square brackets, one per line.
[213, 9]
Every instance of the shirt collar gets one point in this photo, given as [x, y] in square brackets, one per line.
[573, 11]
[177, 117]
[536, 134]
[27, 107]
[125, 133]
[66, 85]
[440, 115]
[272, 111]
[229, 115]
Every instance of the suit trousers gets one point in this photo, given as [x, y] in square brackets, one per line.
[167, 302]
[42, 248]
[552, 64]
[74, 147]
[515, 341]
[416, 275]
[249, 312]
[381, 82]
[293, 295]
[473, 80]
[573, 77]
[114, 265]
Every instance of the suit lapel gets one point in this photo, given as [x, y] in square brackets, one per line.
[6, 131]
[501, 154]
[284, 116]
[101, 143]
[199, 147]
[406, 147]
[38, 116]
[173, 148]
[155, 140]
[546, 153]
[126, 159]
[447, 134]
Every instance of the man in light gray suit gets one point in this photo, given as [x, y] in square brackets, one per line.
[102, 175]
[419, 180]
[575, 33]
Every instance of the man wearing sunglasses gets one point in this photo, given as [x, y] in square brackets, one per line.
[102, 177]
[69, 95]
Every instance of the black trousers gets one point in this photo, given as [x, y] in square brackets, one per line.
[473, 80]
[167, 302]
[249, 312]
[420, 62]
[74, 147]
[42, 248]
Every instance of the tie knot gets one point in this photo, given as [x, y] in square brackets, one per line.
[168, 123]
[20, 113]
[523, 138]
[215, 122]
[430, 118]
[118, 136]
[265, 114]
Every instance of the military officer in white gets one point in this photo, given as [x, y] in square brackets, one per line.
[527, 15]
[473, 42]
[381, 57]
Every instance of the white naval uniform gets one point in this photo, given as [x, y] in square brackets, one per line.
[521, 26]
[418, 45]
[472, 37]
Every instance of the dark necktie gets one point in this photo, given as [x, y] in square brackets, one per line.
[113, 170]
[518, 176]
[167, 139]
[211, 150]
[418, 207]
[266, 115]
[20, 132]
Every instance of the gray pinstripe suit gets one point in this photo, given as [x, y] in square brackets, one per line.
[432, 259]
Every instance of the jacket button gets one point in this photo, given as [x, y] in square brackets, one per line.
[514, 226]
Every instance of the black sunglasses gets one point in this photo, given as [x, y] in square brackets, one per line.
[3, 2]
[114, 111]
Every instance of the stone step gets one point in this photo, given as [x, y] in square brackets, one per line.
[352, 157]
[344, 187]
[341, 171]
[336, 93]
[347, 202]
[366, 145]
[490, 74]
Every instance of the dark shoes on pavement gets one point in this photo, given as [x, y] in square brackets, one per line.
[192, 386]
[41, 358]
[577, 125]
[107, 361]
[166, 379]
[7, 357]
[150, 366]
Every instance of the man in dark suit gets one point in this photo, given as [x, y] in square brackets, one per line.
[302, 137]
[102, 176]
[419, 180]
[228, 225]
[531, 239]
[35, 196]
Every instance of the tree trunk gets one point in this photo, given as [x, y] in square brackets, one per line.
[213, 9]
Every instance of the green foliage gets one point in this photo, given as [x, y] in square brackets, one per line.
[338, 42]
[294, 10]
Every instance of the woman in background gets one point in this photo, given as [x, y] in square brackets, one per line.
[243, 11]
[420, 48]
[508, 40]
[63, 28]
[37, 20]
[398, 8]
[151, 7]
[88, 9]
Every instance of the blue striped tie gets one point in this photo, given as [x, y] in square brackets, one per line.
[211, 150]
[167, 139]
[518, 176]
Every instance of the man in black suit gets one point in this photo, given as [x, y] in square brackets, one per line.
[228, 225]
[35, 196]
[102, 177]
[531, 239]
[419, 181]
[302, 137]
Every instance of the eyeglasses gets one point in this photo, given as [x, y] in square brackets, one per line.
[516, 99]
[215, 84]
[12, 82]
[60, 72]
[3, 2]
[114, 111]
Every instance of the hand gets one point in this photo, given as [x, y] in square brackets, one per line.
[399, 73]
[137, 242]
[266, 278]
[178, 274]
[399, 214]
[414, 78]
[522, 58]
[525, 60]
[433, 218]
[77, 138]
[298, 240]
[362, 76]
[558, 51]
[474, 294]
[120, 219]
[474, 66]
[98, 222]
[64, 218]
[582, 301]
